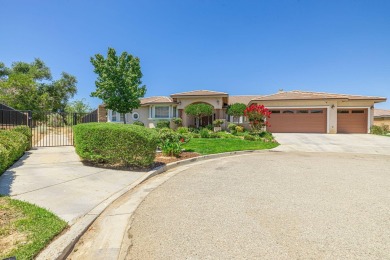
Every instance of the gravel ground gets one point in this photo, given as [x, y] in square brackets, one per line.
[269, 206]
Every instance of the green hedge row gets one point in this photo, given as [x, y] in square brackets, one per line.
[129, 145]
[13, 144]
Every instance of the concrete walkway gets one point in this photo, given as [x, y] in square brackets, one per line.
[54, 178]
[339, 143]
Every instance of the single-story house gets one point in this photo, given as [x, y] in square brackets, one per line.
[292, 111]
[381, 117]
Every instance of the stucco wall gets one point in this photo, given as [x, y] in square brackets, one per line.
[382, 121]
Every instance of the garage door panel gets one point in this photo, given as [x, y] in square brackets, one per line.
[352, 122]
[298, 122]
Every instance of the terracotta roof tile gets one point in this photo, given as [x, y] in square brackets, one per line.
[200, 93]
[241, 99]
[155, 100]
[381, 113]
[305, 95]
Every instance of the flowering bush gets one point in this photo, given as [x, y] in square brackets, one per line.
[257, 115]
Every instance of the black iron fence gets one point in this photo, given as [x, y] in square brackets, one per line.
[47, 128]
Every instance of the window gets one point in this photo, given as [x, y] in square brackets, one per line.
[357, 111]
[113, 116]
[316, 111]
[343, 111]
[288, 112]
[122, 117]
[303, 111]
[161, 112]
[174, 111]
[135, 116]
[275, 111]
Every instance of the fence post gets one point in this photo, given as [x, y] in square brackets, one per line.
[74, 119]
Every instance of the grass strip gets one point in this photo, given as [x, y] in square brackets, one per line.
[26, 228]
[217, 145]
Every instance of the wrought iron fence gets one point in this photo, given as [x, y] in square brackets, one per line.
[47, 128]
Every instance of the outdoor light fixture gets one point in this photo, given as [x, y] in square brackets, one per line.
[332, 106]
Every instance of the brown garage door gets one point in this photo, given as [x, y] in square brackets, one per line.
[298, 121]
[352, 121]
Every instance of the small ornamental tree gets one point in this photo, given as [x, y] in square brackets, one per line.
[198, 111]
[119, 81]
[257, 115]
[236, 110]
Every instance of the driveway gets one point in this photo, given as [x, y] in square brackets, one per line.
[272, 205]
[345, 143]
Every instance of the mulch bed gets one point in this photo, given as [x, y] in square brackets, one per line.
[159, 161]
[160, 158]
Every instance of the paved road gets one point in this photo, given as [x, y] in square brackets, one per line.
[341, 143]
[273, 205]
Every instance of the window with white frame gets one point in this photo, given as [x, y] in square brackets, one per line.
[161, 112]
[116, 117]
[113, 116]
[135, 116]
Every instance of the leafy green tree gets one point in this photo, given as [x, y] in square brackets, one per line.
[78, 106]
[198, 111]
[119, 81]
[236, 110]
[29, 86]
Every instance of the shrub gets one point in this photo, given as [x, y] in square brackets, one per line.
[177, 121]
[239, 129]
[182, 130]
[232, 127]
[170, 142]
[26, 131]
[163, 124]
[12, 147]
[204, 133]
[214, 135]
[126, 144]
[380, 130]
[138, 123]
[249, 137]
[209, 127]
[226, 135]
[218, 122]
[195, 135]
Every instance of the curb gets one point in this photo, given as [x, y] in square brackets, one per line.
[62, 246]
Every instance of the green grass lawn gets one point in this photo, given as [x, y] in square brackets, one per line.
[221, 145]
[25, 229]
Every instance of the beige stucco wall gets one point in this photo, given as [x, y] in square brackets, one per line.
[382, 121]
[331, 111]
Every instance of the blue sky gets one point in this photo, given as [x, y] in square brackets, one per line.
[239, 47]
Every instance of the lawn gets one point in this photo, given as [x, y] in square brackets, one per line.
[25, 229]
[221, 145]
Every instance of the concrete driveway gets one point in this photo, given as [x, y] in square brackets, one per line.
[273, 205]
[344, 143]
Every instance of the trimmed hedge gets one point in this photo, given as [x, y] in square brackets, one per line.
[26, 131]
[123, 144]
[12, 146]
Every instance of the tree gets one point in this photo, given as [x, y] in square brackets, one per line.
[29, 86]
[78, 106]
[119, 81]
[198, 111]
[236, 110]
[257, 115]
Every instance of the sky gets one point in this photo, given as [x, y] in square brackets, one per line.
[239, 47]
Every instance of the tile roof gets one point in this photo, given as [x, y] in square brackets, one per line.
[306, 95]
[381, 113]
[155, 100]
[200, 93]
[241, 99]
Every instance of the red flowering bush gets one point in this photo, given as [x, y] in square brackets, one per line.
[257, 115]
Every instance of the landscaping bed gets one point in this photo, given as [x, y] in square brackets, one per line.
[25, 229]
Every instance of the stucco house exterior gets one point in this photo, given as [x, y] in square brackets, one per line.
[381, 117]
[292, 111]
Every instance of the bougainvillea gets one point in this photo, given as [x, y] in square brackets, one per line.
[257, 115]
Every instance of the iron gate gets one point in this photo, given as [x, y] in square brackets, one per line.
[47, 128]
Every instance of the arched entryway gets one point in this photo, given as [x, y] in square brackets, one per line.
[203, 121]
